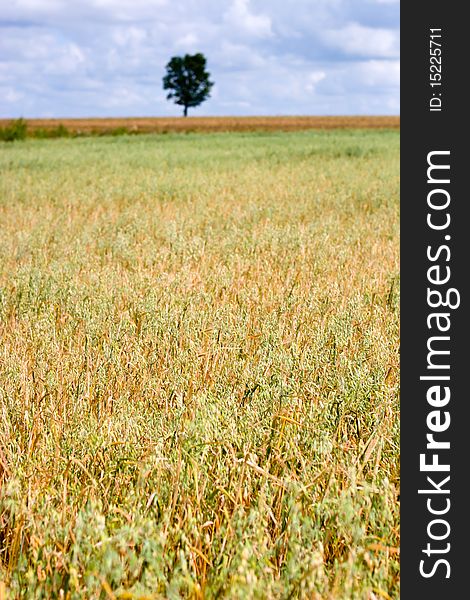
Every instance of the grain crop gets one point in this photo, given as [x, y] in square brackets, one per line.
[199, 366]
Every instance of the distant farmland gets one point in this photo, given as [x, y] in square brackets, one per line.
[207, 124]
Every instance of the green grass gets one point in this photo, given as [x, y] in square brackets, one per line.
[199, 366]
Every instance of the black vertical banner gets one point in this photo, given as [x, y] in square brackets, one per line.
[435, 422]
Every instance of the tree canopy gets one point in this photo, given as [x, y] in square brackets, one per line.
[188, 81]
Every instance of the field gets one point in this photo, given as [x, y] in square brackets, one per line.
[199, 366]
[59, 127]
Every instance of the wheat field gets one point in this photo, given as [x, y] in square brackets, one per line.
[199, 366]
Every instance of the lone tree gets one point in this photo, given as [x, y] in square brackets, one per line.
[188, 81]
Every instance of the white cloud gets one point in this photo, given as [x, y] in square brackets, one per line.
[123, 97]
[357, 40]
[107, 57]
[379, 73]
[127, 5]
[67, 61]
[10, 95]
[129, 36]
[37, 5]
[239, 57]
[240, 18]
[188, 42]
[127, 10]
[312, 80]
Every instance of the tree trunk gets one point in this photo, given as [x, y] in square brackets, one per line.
[185, 113]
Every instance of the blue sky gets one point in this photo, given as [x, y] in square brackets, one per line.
[81, 58]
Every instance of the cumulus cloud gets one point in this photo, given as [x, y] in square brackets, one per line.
[107, 57]
[357, 40]
[379, 73]
[240, 16]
